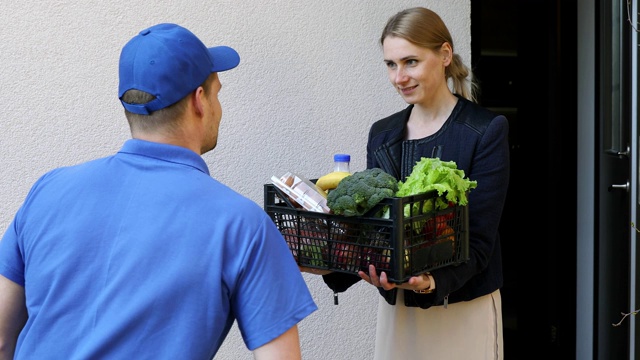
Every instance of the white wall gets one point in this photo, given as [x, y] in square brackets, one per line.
[310, 83]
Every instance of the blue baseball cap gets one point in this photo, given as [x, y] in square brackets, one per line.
[168, 61]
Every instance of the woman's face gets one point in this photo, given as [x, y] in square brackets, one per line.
[417, 73]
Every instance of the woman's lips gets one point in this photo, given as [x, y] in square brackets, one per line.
[407, 90]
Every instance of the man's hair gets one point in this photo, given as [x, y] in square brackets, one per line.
[166, 119]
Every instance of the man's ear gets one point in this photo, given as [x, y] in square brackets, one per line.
[198, 100]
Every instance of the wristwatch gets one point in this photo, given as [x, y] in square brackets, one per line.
[431, 288]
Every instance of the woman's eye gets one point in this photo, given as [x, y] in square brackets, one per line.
[412, 62]
[391, 65]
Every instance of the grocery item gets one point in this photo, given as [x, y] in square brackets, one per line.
[302, 191]
[434, 174]
[360, 192]
[341, 170]
[331, 180]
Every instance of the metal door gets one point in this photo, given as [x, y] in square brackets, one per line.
[614, 253]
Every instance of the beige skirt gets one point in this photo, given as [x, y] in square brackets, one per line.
[470, 330]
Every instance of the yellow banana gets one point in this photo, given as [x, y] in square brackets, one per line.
[330, 181]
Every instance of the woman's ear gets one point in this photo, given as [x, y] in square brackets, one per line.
[447, 53]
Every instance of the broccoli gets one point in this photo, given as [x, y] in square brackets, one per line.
[360, 192]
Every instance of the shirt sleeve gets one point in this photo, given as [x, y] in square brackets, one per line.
[11, 261]
[271, 294]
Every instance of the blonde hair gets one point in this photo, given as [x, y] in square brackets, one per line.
[425, 28]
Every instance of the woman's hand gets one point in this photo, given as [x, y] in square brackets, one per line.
[314, 270]
[419, 282]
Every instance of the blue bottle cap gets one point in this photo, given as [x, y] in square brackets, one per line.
[342, 158]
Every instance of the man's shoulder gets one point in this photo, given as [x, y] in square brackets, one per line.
[224, 196]
[73, 169]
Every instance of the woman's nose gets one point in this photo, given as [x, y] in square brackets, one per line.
[400, 76]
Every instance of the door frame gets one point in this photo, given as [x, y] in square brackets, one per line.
[592, 331]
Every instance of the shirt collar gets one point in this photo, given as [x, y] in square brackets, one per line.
[165, 152]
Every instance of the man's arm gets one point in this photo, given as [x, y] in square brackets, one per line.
[284, 347]
[13, 316]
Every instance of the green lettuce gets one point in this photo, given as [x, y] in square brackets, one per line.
[444, 177]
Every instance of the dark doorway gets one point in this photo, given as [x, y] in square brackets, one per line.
[524, 56]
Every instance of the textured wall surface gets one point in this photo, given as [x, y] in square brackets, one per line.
[310, 83]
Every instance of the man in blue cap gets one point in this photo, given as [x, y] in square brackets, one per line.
[143, 254]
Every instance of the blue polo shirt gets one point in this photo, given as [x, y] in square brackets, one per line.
[143, 255]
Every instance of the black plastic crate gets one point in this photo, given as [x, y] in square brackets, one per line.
[401, 246]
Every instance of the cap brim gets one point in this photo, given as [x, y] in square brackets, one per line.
[224, 58]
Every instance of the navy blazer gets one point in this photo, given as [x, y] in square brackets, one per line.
[477, 140]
